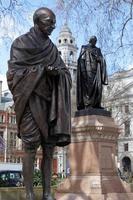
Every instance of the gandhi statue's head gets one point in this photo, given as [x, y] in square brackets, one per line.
[93, 40]
[45, 19]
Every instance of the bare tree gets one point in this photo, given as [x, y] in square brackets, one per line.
[14, 18]
[110, 20]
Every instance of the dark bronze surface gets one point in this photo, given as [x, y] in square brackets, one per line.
[40, 84]
[91, 75]
[93, 111]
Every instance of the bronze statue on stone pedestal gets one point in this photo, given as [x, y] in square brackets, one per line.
[91, 75]
[40, 84]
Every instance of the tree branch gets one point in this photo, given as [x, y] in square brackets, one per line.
[124, 25]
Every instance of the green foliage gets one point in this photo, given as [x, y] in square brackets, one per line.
[37, 180]
[2, 184]
[128, 177]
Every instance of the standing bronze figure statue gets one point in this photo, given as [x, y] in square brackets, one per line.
[91, 75]
[40, 84]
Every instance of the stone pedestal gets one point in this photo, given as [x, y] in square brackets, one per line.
[92, 157]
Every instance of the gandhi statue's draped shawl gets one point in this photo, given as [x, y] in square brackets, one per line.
[30, 55]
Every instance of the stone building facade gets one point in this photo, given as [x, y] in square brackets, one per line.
[118, 98]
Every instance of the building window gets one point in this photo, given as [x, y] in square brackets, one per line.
[12, 159]
[35, 163]
[126, 147]
[71, 56]
[71, 41]
[12, 119]
[18, 160]
[2, 118]
[127, 128]
[22, 147]
[71, 53]
[1, 141]
[126, 108]
[1, 134]
[65, 40]
[13, 140]
[74, 74]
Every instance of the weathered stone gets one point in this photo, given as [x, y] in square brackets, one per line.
[92, 157]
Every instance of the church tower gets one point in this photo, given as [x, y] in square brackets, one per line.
[68, 51]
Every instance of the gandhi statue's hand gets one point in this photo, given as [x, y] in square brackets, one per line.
[52, 70]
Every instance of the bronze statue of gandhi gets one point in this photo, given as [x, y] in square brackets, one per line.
[40, 83]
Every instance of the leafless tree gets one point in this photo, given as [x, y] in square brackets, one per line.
[14, 18]
[110, 20]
